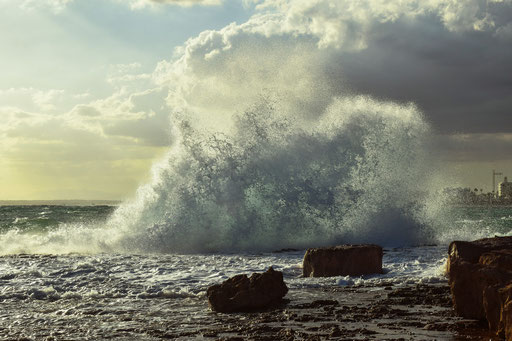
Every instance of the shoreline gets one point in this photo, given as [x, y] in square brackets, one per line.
[384, 312]
[60, 202]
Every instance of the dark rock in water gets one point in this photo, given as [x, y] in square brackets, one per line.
[471, 251]
[343, 260]
[285, 250]
[241, 293]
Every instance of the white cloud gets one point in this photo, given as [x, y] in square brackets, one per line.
[142, 117]
[125, 75]
[293, 52]
[32, 99]
[346, 23]
[287, 51]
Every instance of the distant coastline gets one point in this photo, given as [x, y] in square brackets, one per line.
[59, 202]
[494, 204]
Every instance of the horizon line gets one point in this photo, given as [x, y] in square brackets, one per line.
[6, 202]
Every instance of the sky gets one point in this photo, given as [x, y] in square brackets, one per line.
[89, 88]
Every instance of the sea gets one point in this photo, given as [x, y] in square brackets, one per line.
[233, 201]
[79, 291]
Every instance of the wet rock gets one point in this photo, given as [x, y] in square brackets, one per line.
[241, 293]
[492, 307]
[335, 332]
[480, 276]
[507, 320]
[467, 284]
[471, 251]
[496, 300]
[317, 304]
[498, 258]
[351, 260]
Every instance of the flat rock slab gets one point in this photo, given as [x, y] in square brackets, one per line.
[471, 251]
[343, 260]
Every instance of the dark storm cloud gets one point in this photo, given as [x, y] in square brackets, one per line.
[461, 80]
[481, 147]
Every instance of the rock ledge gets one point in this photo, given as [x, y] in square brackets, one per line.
[343, 260]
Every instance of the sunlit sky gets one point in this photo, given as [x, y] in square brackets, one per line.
[87, 87]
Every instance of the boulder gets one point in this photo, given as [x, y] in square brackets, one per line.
[493, 307]
[467, 284]
[471, 251]
[498, 309]
[351, 260]
[241, 293]
[480, 278]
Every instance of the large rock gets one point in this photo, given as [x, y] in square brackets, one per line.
[471, 251]
[241, 293]
[496, 299]
[507, 320]
[493, 306]
[467, 284]
[352, 260]
[480, 277]
[498, 258]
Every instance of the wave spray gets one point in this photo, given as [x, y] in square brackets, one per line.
[357, 173]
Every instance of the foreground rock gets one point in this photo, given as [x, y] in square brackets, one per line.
[404, 312]
[471, 251]
[241, 293]
[344, 260]
[480, 279]
[467, 284]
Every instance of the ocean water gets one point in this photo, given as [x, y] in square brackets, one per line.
[226, 202]
[130, 294]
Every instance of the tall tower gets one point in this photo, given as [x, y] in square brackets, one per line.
[494, 182]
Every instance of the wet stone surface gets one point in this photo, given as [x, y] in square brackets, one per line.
[420, 312]
[157, 297]
[417, 312]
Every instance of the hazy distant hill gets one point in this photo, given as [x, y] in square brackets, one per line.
[59, 202]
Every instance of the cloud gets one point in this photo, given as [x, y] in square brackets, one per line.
[121, 120]
[460, 148]
[138, 4]
[143, 117]
[449, 57]
[85, 110]
[347, 24]
[32, 99]
[52, 155]
[56, 6]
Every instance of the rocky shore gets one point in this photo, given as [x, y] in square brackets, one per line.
[386, 312]
[480, 279]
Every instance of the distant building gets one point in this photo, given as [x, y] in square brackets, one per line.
[505, 189]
